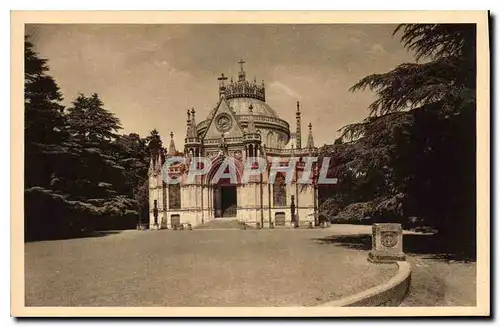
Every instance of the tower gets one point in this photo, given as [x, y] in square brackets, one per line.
[298, 133]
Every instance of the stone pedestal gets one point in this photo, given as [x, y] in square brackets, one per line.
[387, 243]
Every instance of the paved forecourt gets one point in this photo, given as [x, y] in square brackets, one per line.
[199, 268]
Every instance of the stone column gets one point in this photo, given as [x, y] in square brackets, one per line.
[387, 243]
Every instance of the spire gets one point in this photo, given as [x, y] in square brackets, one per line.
[158, 161]
[151, 166]
[192, 128]
[310, 139]
[171, 146]
[188, 123]
[298, 131]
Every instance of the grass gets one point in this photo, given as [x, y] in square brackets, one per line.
[441, 282]
[197, 268]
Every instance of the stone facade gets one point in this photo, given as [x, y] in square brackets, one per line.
[241, 125]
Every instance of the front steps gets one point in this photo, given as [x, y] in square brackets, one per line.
[220, 223]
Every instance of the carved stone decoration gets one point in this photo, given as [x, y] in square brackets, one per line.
[212, 154]
[387, 243]
[389, 239]
[223, 122]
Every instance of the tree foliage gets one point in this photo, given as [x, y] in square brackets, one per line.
[414, 155]
[80, 173]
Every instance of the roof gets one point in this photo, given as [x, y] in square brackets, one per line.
[241, 105]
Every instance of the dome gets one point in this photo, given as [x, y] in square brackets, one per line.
[241, 105]
[240, 95]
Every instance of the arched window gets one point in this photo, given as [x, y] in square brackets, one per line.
[279, 191]
[174, 196]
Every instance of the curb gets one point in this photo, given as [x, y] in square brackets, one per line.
[391, 293]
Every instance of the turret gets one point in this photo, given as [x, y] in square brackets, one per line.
[192, 142]
[251, 138]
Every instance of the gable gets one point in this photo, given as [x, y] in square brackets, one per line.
[223, 121]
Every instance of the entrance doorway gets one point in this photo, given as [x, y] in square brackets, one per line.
[225, 201]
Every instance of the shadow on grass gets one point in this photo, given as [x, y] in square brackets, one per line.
[68, 236]
[422, 244]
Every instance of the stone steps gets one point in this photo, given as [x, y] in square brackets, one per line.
[220, 223]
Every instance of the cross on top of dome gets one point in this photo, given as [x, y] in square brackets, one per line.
[241, 62]
[241, 73]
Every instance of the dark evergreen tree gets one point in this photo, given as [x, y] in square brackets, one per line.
[45, 123]
[80, 174]
[414, 155]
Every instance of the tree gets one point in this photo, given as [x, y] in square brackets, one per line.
[94, 170]
[45, 132]
[91, 121]
[415, 152]
[155, 143]
[134, 157]
[80, 173]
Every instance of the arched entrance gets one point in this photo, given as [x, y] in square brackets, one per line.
[225, 199]
[224, 191]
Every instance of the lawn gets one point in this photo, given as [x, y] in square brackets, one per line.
[197, 268]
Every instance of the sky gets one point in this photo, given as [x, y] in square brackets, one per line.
[149, 75]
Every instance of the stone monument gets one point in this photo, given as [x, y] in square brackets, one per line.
[387, 243]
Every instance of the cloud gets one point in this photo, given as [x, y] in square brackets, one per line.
[356, 33]
[148, 73]
[376, 50]
[285, 89]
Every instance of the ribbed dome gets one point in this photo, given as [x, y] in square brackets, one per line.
[241, 105]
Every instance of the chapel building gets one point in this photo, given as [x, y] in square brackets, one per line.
[240, 125]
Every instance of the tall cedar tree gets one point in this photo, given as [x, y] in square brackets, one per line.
[414, 155]
[44, 121]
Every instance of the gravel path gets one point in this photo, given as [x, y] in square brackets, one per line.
[199, 268]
